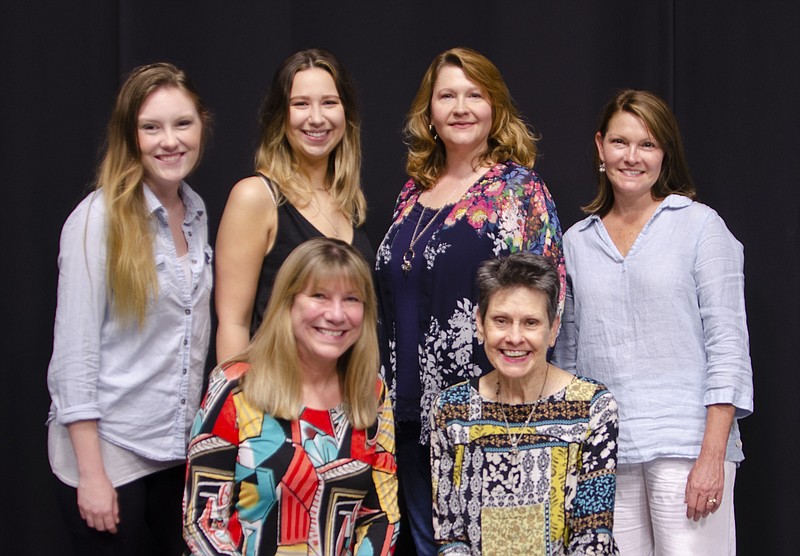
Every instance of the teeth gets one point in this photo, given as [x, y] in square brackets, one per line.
[334, 333]
[316, 134]
[512, 353]
[169, 157]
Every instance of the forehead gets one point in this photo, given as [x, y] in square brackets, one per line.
[336, 278]
[167, 100]
[313, 80]
[517, 300]
[452, 76]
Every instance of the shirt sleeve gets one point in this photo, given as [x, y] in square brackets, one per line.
[592, 517]
[719, 278]
[81, 309]
[210, 524]
[565, 352]
[543, 231]
[379, 516]
[448, 519]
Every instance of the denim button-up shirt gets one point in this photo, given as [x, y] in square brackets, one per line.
[663, 327]
[142, 385]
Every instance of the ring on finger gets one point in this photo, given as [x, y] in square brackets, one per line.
[712, 501]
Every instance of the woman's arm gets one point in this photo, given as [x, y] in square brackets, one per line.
[707, 478]
[97, 498]
[209, 522]
[380, 515]
[246, 234]
[592, 516]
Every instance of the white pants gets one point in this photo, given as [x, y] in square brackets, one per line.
[650, 514]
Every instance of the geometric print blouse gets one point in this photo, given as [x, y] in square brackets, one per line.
[257, 485]
[554, 494]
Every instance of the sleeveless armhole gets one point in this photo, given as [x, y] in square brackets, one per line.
[268, 185]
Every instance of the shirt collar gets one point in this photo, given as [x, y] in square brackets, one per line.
[673, 201]
[193, 211]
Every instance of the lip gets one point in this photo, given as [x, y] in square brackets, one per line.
[331, 333]
[169, 158]
[515, 355]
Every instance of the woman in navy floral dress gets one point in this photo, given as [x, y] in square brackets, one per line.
[472, 196]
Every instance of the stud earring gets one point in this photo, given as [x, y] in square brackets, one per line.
[602, 168]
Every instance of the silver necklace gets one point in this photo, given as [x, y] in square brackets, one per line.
[409, 255]
[322, 213]
[514, 439]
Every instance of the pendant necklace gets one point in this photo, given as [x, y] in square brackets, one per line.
[323, 215]
[514, 439]
[408, 256]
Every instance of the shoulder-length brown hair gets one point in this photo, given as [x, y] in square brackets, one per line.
[273, 383]
[275, 157]
[661, 123]
[509, 136]
[130, 271]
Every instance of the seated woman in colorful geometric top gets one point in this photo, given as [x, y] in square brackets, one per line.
[293, 449]
[524, 457]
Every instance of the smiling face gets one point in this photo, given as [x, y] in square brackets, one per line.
[460, 111]
[169, 131]
[316, 121]
[326, 322]
[631, 154]
[517, 332]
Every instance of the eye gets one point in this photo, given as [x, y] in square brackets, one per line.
[353, 299]
[331, 102]
[649, 145]
[476, 95]
[299, 104]
[616, 141]
[148, 127]
[183, 124]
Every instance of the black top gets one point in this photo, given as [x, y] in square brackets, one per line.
[294, 229]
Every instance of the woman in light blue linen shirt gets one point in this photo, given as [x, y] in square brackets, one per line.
[132, 325]
[655, 310]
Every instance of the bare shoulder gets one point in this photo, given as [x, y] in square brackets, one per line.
[252, 191]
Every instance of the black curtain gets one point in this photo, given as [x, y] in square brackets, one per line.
[729, 69]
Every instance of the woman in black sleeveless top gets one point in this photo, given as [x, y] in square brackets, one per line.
[308, 185]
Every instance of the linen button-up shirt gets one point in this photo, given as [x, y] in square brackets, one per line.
[663, 327]
[142, 385]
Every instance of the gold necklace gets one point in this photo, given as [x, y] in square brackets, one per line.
[515, 439]
[322, 213]
[409, 255]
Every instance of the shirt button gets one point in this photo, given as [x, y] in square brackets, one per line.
[188, 311]
[185, 342]
[194, 261]
[183, 371]
[183, 402]
[190, 234]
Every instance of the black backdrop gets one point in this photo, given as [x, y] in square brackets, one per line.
[729, 69]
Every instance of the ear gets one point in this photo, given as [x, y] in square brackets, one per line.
[598, 141]
[479, 325]
[554, 330]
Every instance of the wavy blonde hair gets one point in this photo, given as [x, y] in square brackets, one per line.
[660, 121]
[273, 383]
[509, 136]
[275, 157]
[130, 270]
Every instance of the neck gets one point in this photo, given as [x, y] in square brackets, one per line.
[321, 386]
[525, 389]
[633, 208]
[460, 168]
[316, 172]
[168, 196]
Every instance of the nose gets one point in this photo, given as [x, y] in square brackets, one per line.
[461, 104]
[514, 334]
[334, 311]
[169, 140]
[631, 154]
[315, 115]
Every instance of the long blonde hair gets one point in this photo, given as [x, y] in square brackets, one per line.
[273, 382]
[509, 136]
[130, 269]
[275, 157]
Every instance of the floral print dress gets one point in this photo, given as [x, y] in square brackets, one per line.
[508, 209]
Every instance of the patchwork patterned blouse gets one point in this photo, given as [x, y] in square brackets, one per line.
[553, 494]
[258, 485]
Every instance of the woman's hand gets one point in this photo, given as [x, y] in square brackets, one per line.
[706, 480]
[704, 487]
[97, 498]
[97, 502]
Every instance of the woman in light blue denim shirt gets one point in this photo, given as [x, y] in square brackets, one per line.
[655, 310]
[132, 325]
